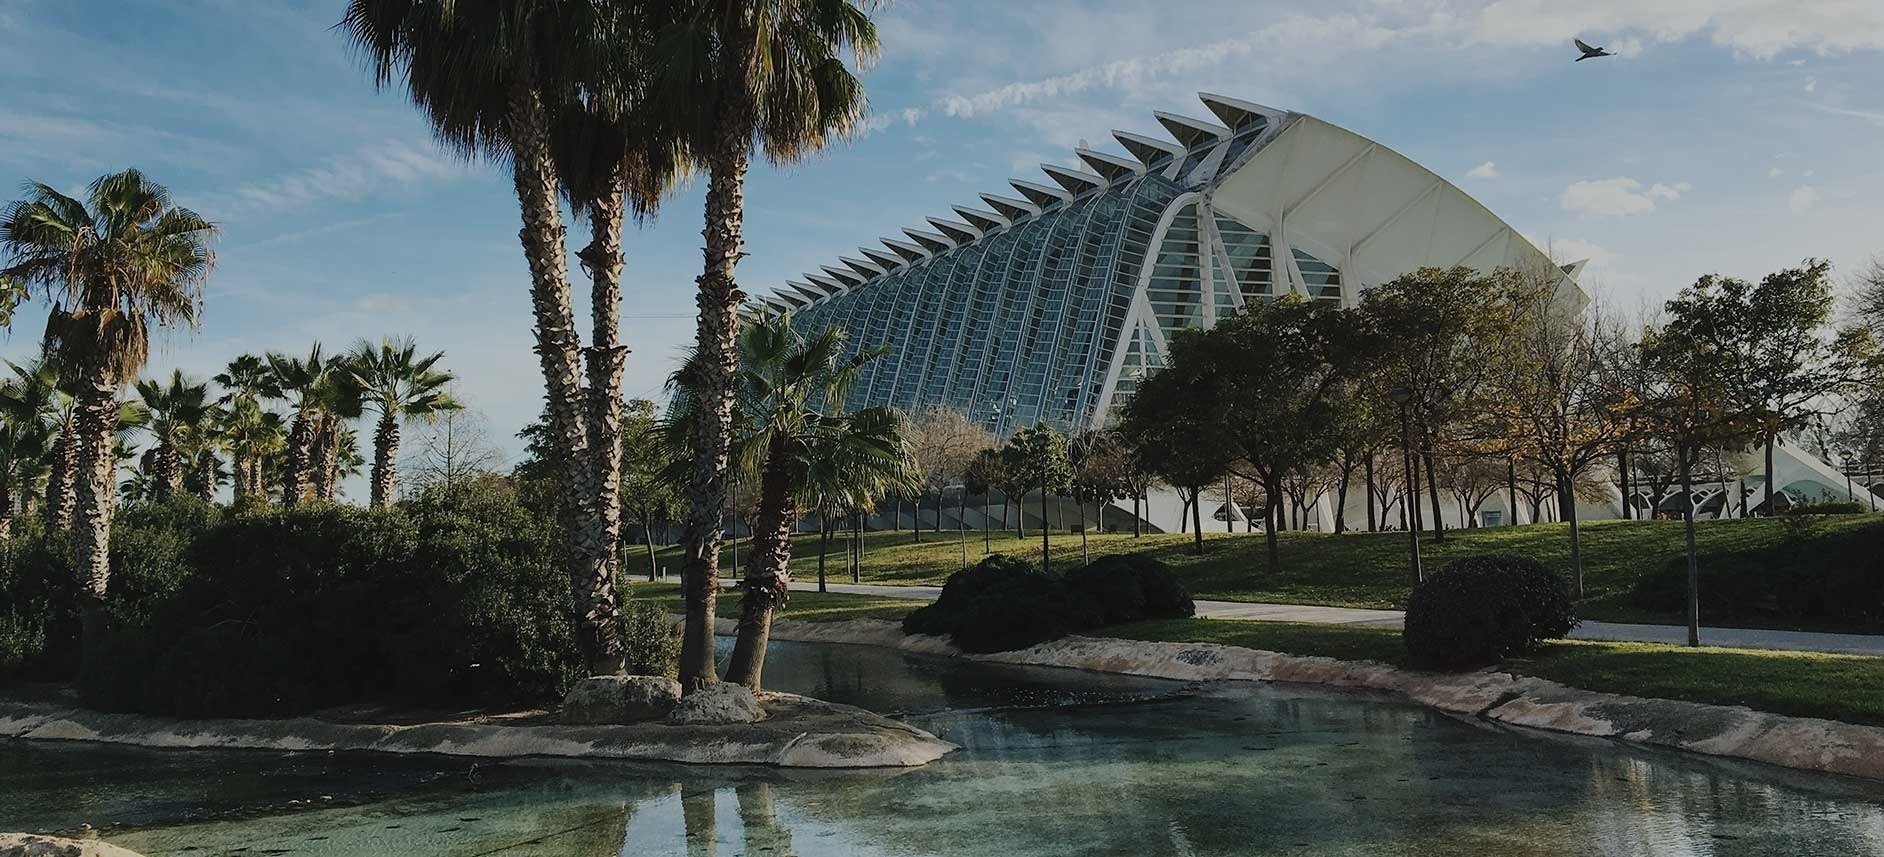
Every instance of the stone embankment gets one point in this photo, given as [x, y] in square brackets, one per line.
[1732, 731]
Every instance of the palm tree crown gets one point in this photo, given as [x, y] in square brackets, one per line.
[395, 382]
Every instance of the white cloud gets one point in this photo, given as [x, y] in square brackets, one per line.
[1812, 84]
[1802, 199]
[350, 177]
[1618, 197]
[1487, 170]
[1774, 172]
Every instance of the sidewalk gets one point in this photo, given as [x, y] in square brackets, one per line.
[1734, 638]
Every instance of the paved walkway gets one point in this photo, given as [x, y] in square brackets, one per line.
[1736, 638]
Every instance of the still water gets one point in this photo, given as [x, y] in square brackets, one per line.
[1053, 762]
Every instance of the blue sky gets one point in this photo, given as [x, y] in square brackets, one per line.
[1735, 136]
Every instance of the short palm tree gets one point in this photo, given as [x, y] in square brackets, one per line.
[398, 384]
[304, 384]
[255, 438]
[245, 382]
[111, 265]
[179, 416]
[759, 74]
[795, 450]
[337, 400]
[29, 426]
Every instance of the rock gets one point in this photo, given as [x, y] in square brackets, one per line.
[606, 699]
[30, 845]
[717, 705]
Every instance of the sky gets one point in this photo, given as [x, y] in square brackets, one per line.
[1730, 136]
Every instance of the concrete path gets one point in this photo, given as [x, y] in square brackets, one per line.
[1735, 638]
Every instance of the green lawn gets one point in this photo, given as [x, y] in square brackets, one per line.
[1835, 687]
[1349, 570]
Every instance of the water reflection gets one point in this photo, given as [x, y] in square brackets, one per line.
[1130, 770]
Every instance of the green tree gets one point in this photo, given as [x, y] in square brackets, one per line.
[647, 488]
[1099, 460]
[112, 264]
[1173, 425]
[983, 475]
[766, 75]
[307, 386]
[1037, 458]
[179, 415]
[394, 381]
[1440, 336]
[793, 450]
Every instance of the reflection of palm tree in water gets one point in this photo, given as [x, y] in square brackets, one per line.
[696, 808]
[759, 820]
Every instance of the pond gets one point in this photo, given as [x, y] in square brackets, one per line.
[1053, 762]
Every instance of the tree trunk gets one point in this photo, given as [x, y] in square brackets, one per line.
[6, 510]
[1694, 566]
[1138, 517]
[606, 360]
[915, 517]
[1197, 520]
[719, 298]
[94, 426]
[327, 461]
[1771, 510]
[1341, 498]
[1432, 490]
[206, 474]
[987, 541]
[294, 468]
[1046, 532]
[1372, 522]
[647, 531]
[856, 549]
[961, 521]
[61, 493]
[767, 580]
[824, 545]
[1576, 543]
[385, 452]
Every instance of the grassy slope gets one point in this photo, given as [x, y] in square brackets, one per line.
[1350, 570]
[1836, 687]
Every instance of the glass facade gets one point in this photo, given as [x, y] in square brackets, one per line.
[1050, 309]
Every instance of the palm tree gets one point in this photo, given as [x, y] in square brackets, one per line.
[337, 400]
[238, 422]
[761, 74]
[111, 265]
[304, 384]
[179, 417]
[502, 78]
[398, 384]
[29, 426]
[796, 453]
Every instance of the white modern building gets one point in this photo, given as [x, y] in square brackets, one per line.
[1047, 302]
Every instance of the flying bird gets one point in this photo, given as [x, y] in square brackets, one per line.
[1590, 52]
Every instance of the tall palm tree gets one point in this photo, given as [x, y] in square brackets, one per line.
[179, 416]
[29, 426]
[398, 384]
[337, 400]
[794, 450]
[497, 78]
[111, 265]
[759, 74]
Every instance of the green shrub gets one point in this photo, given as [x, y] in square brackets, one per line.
[652, 640]
[1133, 587]
[1005, 603]
[289, 611]
[1827, 507]
[1481, 609]
[1838, 582]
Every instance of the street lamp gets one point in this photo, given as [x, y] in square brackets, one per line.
[1400, 396]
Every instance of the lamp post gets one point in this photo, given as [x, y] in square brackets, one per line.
[1401, 395]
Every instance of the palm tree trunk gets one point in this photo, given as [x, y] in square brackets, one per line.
[767, 580]
[167, 473]
[824, 545]
[206, 474]
[94, 424]
[385, 452]
[718, 300]
[294, 470]
[607, 358]
[558, 347]
[326, 459]
[61, 493]
[6, 508]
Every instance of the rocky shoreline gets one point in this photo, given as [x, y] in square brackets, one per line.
[798, 732]
[1801, 743]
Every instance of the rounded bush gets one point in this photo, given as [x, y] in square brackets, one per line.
[1131, 587]
[963, 587]
[1479, 610]
[1005, 603]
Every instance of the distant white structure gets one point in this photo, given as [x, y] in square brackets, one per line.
[1053, 301]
